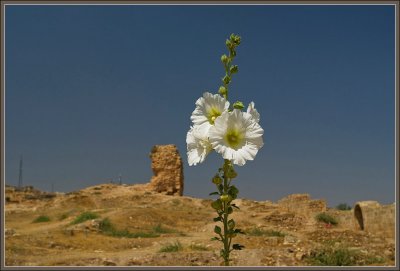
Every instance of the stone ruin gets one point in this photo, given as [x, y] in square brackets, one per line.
[302, 204]
[373, 217]
[368, 216]
[19, 194]
[302, 208]
[167, 167]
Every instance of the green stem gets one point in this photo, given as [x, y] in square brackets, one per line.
[226, 245]
[226, 239]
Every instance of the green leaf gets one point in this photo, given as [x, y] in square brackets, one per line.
[213, 193]
[235, 206]
[230, 210]
[216, 219]
[217, 180]
[217, 229]
[233, 191]
[239, 231]
[237, 247]
[215, 239]
[217, 204]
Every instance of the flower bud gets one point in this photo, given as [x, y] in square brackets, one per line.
[233, 69]
[226, 79]
[231, 224]
[225, 198]
[231, 173]
[217, 180]
[238, 105]
[235, 39]
[222, 90]
[224, 58]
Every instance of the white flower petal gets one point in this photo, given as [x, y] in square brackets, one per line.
[209, 108]
[253, 112]
[198, 145]
[236, 136]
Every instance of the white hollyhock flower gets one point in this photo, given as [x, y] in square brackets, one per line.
[209, 108]
[236, 136]
[198, 145]
[253, 112]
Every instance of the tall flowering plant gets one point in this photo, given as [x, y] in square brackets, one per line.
[231, 132]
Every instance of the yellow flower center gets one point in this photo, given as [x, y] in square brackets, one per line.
[234, 138]
[206, 145]
[213, 113]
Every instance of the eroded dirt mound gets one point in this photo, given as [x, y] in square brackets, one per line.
[128, 225]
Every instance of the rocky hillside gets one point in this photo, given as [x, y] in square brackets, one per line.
[121, 225]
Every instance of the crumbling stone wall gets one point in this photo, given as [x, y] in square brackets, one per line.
[167, 167]
[302, 204]
[375, 218]
[303, 207]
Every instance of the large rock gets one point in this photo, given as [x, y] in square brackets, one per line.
[167, 167]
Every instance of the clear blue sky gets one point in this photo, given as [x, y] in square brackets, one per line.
[90, 90]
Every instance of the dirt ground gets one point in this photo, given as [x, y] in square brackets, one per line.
[145, 224]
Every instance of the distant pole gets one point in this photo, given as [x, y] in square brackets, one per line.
[120, 179]
[20, 173]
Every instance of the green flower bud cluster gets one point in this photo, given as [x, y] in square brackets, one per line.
[231, 44]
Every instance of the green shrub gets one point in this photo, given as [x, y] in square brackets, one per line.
[343, 207]
[84, 217]
[374, 260]
[261, 232]
[333, 257]
[42, 218]
[105, 225]
[160, 229]
[175, 247]
[128, 234]
[324, 217]
[108, 228]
